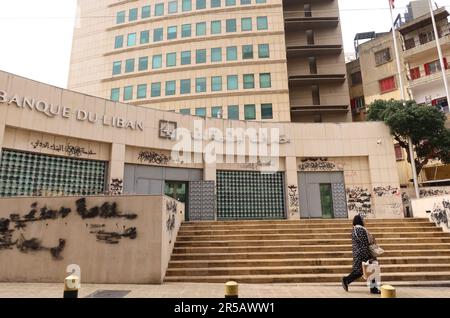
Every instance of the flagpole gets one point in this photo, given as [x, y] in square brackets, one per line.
[439, 49]
[402, 95]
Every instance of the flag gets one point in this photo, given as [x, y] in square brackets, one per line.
[391, 3]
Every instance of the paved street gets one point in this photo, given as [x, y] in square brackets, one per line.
[184, 290]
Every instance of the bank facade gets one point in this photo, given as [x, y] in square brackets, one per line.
[59, 142]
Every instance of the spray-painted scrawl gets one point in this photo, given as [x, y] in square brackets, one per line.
[294, 202]
[441, 213]
[171, 210]
[359, 200]
[386, 191]
[319, 164]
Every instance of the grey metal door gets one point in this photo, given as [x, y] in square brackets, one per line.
[313, 201]
[202, 203]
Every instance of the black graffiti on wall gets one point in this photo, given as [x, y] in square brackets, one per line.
[171, 210]
[386, 191]
[294, 202]
[441, 213]
[317, 164]
[70, 150]
[153, 157]
[432, 192]
[16, 222]
[116, 187]
[359, 200]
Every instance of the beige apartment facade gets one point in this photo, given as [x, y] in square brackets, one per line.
[263, 60]
[59, 142]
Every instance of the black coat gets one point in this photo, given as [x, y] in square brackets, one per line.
[360, 248]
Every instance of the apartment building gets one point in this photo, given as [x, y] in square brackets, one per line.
[264, 60]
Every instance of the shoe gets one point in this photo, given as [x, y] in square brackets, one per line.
[344, 284]
[375, 291]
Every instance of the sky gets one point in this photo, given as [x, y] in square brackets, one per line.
[36, 35]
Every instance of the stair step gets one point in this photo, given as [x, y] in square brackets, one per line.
[304, 262]
[374, 230]
[302, 255]
[308, 278]
[328, 235]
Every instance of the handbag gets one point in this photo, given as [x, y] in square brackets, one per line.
[374, 249]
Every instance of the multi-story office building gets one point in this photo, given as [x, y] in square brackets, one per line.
[268, 60]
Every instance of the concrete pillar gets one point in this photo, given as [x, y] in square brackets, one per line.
[116, 168]
[292, 190]
[2, 135]
[209, 172]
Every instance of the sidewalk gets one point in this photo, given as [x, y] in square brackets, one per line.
[187, 290]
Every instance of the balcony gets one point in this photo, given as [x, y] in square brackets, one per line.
[425, 79]
[423, 50]
[296, 21]
[314, 109]
[313, 50]
[301, 80]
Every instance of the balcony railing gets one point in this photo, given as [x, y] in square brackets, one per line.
[422, 77]
[422, 47]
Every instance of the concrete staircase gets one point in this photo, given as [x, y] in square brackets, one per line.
[304, 251]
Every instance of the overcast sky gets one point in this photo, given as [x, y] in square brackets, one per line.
[36, 35]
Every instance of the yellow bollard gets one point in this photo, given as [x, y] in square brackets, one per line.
[388, 291]
[71, 286]
[231, 290]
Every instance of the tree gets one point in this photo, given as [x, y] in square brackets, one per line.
[425, 125]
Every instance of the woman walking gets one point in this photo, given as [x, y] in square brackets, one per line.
[361, 253]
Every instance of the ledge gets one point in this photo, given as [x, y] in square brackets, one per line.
[313, 50]
[316, 79]
[120, 3]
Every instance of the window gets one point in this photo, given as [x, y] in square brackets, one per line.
[263, 51]
[434, 67]
[156, 89]
[261, 1]
[185, 86]
[131, 41]
[201, 112]
[216, 27]
[232, 82]
[171, 59]
[143, 63]
[185, 111]
[133, 14]
[410, 43]
[247, 52]
[173, 7]
[142, 91]
[158, 34]
[157, 61]
[231, 53]
[233, 112]
[246, 2]
[414, 73]
[186, 30]
[145, 13]
[261, 23]
[387, 84]
[118, 42]
[383, 56]
[315, 94]
[357, 104]
[200, 56]
[186, 5]
[230, 3]
[117, 68]
[246, 24]
[170, 88]
[312, 60]
[307, 10]
[145, 37]
[231, 25]
[120, 18]
[200, 4]
[128, 93]
[266, 111]
[264, 80]
[200, 85]
[398, 152]
[310, 37]
[216, 3]
[425, 37]
[216, 54]
[185, 57]
[200, 29]
[216, 112]
[171, 32]
[356, 78]
[249, 112]
[159, 9]
[129, 66]
[249, 81]
[216, 83]
[115, 94]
